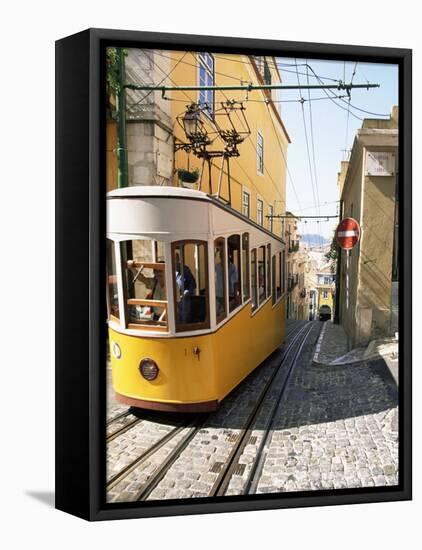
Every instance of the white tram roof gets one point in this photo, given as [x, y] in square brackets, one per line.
[158, 191]
[174, 213]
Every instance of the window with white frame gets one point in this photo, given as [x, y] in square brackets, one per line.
[246, 203]
[260, 153]
[206, 78]
[260, 211]
[325, 294]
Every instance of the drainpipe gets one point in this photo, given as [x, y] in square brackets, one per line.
[122, 164]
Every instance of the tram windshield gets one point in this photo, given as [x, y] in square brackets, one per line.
[113, 297]
[145, 284]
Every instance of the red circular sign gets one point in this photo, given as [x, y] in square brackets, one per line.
[348, 233]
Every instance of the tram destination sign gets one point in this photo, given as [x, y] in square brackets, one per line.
[348, 233]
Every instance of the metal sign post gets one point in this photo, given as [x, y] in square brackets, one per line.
[347, 236]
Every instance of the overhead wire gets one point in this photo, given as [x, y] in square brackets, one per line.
[313, 144]
[311, 175]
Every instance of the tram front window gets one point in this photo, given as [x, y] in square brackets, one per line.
[145, 285]
[190, 281]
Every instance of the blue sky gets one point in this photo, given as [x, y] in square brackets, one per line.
[329, 123]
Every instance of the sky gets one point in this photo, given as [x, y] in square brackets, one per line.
[332, 128]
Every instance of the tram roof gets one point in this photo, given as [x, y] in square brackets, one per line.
[158, 191]
[154, 191]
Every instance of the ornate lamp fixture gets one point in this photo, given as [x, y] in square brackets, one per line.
[195, 129]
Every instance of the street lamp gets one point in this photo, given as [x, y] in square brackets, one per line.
[194, 127]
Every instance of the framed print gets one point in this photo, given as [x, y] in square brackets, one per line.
[233, 217]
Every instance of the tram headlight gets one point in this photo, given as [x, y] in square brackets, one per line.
[117, 352]
[148, 369]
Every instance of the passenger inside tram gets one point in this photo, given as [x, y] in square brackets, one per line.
[191, 283]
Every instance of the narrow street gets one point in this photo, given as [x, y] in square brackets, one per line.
[319, 427]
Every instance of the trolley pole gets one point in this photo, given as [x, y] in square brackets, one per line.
[122, 161]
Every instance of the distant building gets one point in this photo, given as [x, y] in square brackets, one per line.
[368, 191]
[325, 291]
[292, 267]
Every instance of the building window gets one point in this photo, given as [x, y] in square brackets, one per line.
[326, 280]
[245, 266]
[325, 294]
[260, 153]
[220, 279]
[270, 218]
[267, 73]
[246, 204]
[233, 271]
[206, 78]
[260, 212]
[190, 283]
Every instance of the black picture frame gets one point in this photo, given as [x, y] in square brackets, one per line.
[80, 273]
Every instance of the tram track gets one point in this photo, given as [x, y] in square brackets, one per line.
[192, 426]
[232, 465]
[118, 417]
[123, 429]
[143, 457]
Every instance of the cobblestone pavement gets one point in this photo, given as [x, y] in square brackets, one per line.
[335, 427]
[332, 343]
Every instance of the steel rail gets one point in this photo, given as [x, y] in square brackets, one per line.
[258, 465]
[171, 458]
[123, 429]
[118, 417]
[222, 482]
[114, 480]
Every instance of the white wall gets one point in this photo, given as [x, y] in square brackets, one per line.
[27, 93]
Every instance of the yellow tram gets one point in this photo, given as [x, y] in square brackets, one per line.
[195, 297]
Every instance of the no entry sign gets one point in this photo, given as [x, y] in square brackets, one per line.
[347, 233]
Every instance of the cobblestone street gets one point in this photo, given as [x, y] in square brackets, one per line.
[335, 427]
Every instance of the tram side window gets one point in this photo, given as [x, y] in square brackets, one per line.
[220, 279]
[273, 272]
[113, 297]
[254, 286]
[245, 266]
[278, 268]
[144, 283]
[261, 275]
[190, 281]
[233, 271]
[268, 270]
